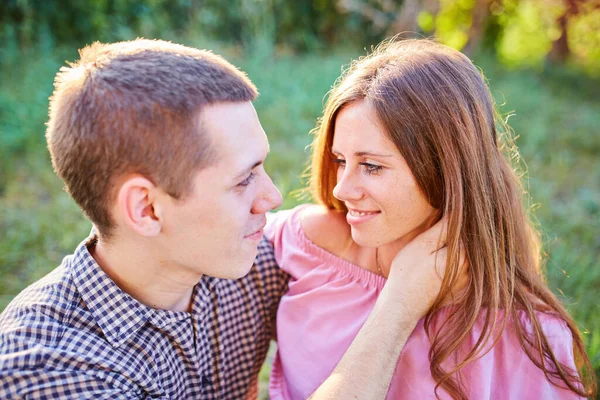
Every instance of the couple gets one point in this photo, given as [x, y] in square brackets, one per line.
[416, 276]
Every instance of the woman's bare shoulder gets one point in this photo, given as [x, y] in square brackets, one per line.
[326, 228]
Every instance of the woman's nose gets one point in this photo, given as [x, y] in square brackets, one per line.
[346, 188]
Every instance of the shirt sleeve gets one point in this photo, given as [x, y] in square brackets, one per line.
[508, 372]
[561, 342]
[30, 370]
[276, 222]
[283, 233]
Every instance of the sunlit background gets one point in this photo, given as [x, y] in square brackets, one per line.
[541, 58]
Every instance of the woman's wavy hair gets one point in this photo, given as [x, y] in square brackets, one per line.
[436, 107]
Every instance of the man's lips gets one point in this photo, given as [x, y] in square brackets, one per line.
[258, 231]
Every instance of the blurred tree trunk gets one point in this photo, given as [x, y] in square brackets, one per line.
[404, 14]
[372, 13]
[479, 17]
[560, 51]
[560, 47]
[406, 21]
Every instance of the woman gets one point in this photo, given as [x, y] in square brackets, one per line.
[410, 135]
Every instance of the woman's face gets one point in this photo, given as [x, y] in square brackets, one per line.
[385, 205]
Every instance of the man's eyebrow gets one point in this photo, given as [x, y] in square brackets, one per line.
[366, 154]
[248, 169]
[256, 163]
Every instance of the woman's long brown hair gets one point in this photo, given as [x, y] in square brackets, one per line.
[436, 107]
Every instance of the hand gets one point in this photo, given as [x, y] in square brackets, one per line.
[417, 271]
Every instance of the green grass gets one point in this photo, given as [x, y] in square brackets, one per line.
[556, 118]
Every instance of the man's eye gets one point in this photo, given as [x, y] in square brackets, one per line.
[248, 180]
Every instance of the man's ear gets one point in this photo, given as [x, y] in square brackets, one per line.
[137, 206]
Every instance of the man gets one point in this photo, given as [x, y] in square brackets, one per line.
[160, 146]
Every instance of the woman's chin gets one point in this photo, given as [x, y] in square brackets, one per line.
[372, 239]
[366, 239]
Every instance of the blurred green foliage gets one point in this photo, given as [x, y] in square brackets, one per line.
[293, 51]
[520, 31]
[301, 25]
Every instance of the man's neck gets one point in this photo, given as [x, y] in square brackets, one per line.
[145, 277]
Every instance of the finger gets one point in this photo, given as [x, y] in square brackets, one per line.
[440, 261]
[462, 278]
[440, 246]
[437, 233]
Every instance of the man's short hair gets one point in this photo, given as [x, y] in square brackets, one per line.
[133, 107]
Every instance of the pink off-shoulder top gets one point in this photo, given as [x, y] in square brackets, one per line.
[330, 298]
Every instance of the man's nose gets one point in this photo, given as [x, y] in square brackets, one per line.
[269, 198]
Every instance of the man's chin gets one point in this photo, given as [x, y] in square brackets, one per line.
[242, 268]
[243, 272]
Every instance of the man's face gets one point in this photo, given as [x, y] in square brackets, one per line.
[215, 230]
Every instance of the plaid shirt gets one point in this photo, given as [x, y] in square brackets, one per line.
[76, 334]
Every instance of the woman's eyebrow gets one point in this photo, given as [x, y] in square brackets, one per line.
[365, 153]
[372, 154]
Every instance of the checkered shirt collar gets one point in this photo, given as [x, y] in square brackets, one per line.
[118, 315]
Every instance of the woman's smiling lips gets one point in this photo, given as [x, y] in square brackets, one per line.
[355, 216]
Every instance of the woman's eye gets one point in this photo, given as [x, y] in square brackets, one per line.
[341, 163]
[248, 180]
[371, 169]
